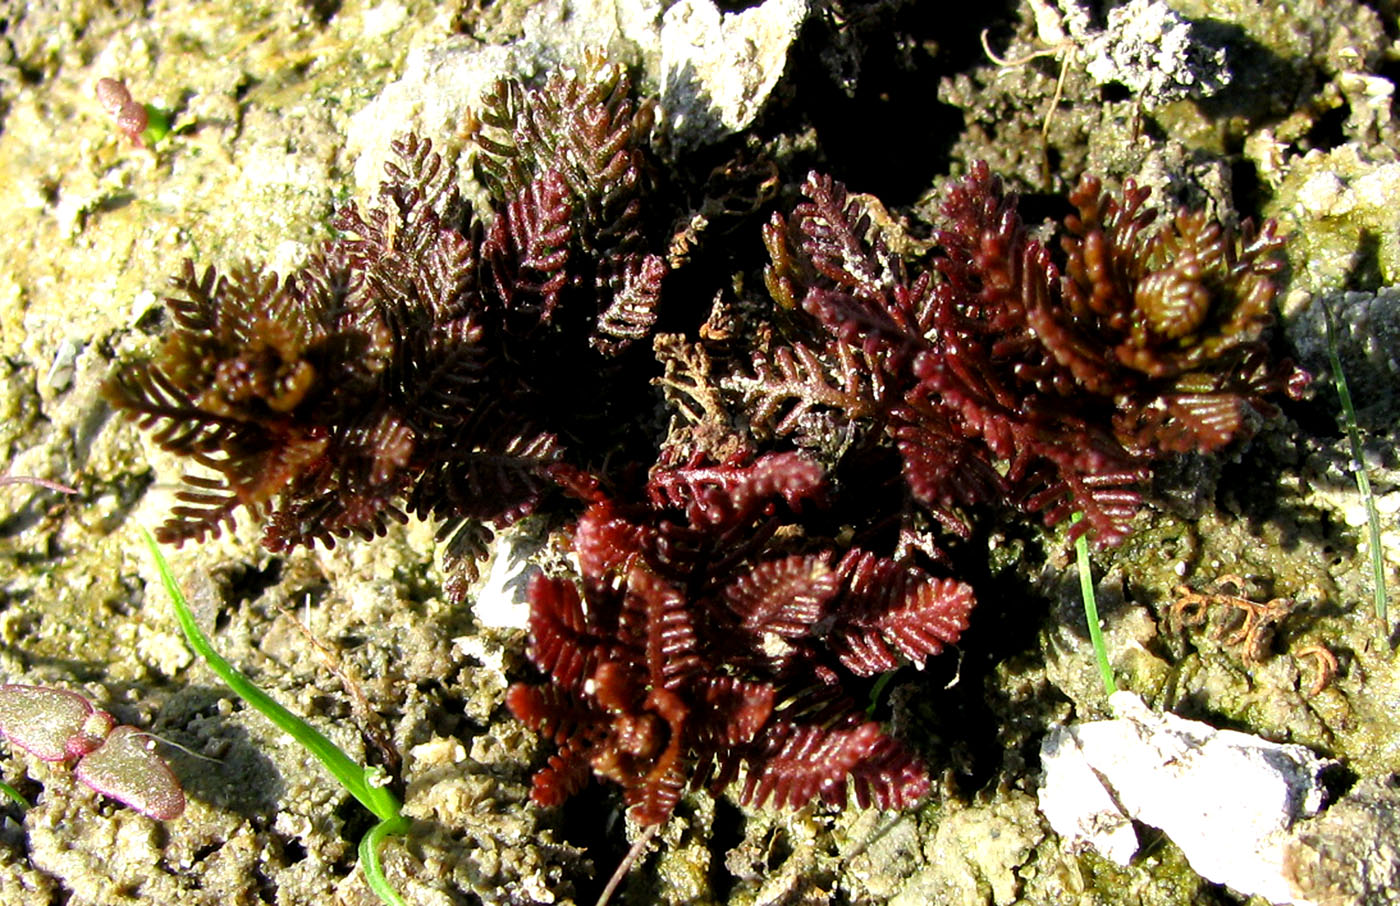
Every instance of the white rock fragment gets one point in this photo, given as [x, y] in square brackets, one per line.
[1325, 195]
[431, 98]
[1370, 98]
[1157, 53]
[717, 69]
[60, 375]
[501, 603]
[382, 20]
[1227, 799]
[1077, 804]
[441, 82]
[1056, 26]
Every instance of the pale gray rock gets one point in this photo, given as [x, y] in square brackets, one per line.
[714, 72]
[718, 69]
[442, 82]
[1227, 799]
[1157, 54]
[1348, 856]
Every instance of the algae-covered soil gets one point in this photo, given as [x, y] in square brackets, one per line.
[281, 113]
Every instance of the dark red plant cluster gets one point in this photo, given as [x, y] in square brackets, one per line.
[707, 639]
[585, 127]
[1001, 379]
[432, 362]
[427, 361]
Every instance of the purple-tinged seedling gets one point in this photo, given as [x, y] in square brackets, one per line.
[116, 761]
[132, 118]
[142, 123]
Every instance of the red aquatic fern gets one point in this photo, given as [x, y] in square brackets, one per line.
[587, 127]
[426, 361]
[369, 384]
[698, 645]
[998, 378]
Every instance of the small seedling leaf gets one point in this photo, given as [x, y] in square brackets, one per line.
[127, 769]
[58, 725]
[47, 723]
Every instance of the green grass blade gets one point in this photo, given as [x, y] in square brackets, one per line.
[15, 796]
[876, 691]
[1358, 467]
[349, 773]
[1091, 609]
[369, 858]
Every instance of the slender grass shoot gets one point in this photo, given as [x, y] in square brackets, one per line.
[357, 779]
[1091, 609]
[1358, 467]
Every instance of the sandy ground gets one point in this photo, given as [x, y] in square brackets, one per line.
[893, 99]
